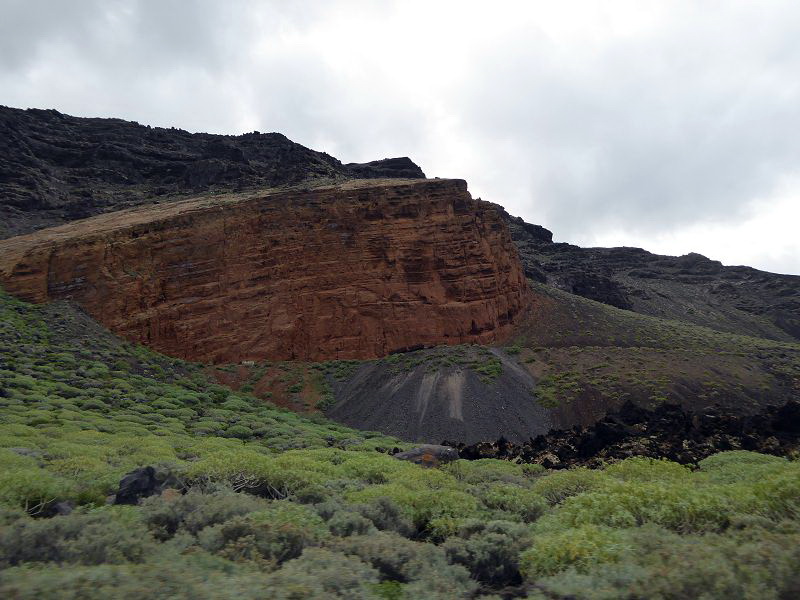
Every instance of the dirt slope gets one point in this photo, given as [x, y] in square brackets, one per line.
[433, 401]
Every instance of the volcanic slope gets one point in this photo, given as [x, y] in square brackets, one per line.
[691, 288]
[569, 362]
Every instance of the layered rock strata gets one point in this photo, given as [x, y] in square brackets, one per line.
[356, 270]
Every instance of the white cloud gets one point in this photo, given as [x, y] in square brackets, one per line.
[750, 240]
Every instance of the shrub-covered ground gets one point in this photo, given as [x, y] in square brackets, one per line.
[275, 505]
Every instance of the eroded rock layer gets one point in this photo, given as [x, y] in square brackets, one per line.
[356, 270]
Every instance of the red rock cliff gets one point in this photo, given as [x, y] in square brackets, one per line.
[356, 270]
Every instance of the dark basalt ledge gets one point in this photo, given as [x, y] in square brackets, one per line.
[667, 432]
[359, 269]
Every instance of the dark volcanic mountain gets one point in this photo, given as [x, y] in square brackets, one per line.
[56, 168]
[690, 288]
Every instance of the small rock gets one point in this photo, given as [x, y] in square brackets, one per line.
[144, 482]
[429, 455]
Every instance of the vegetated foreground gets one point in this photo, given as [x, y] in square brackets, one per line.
[259, 502]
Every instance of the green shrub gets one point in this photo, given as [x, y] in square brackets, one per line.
[346, 523]
[23, 484]
[321, 574]
[648, 470]
[753, 564]
[684, 508]
[386, 515]
[490, 550]
[487, 470]
[89, 539]
[239, 431]
[276, 534]
[423, 567]
[175, 579]
[524, 504]
[579, 547]
[422, 495]
[249, 470]
[195, 510]
[560, 485]
[740, 466]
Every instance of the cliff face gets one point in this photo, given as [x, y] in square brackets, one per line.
[355, 270]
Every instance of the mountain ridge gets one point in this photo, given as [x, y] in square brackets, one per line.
[691, 288]
[55, 168]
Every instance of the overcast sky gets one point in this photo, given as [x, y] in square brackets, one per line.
[674, 126]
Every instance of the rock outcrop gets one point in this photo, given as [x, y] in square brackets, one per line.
[55, 168]
[669, 431]
[355, 270]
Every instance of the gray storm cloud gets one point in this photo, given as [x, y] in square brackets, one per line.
[620, 121]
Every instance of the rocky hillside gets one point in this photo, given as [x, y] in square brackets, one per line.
[328, 262]
[569, 362]
[56, 168]
[355, 270]
[689, 288]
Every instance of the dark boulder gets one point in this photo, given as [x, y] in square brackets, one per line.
[144, 482]
[429, 455]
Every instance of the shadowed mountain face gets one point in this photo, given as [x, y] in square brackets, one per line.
[55, 168]
[690, 288]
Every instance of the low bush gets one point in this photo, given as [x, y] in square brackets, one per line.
[489, 550]
[579, 547]
[422, 495]
[753, 564]
[345, 523]
[386, 515]
[24, 484]
[560, 485]
[647, 470]
[88, 539]
[512, 501]
[423, 568]
[276, 534]
[321, 574]
[195, 510]
[176, 579]
[487, 470]
[685, 508]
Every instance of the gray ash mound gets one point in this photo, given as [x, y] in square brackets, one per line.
[667, 432]
[469, 393]
[56, 168]
[690, 288]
